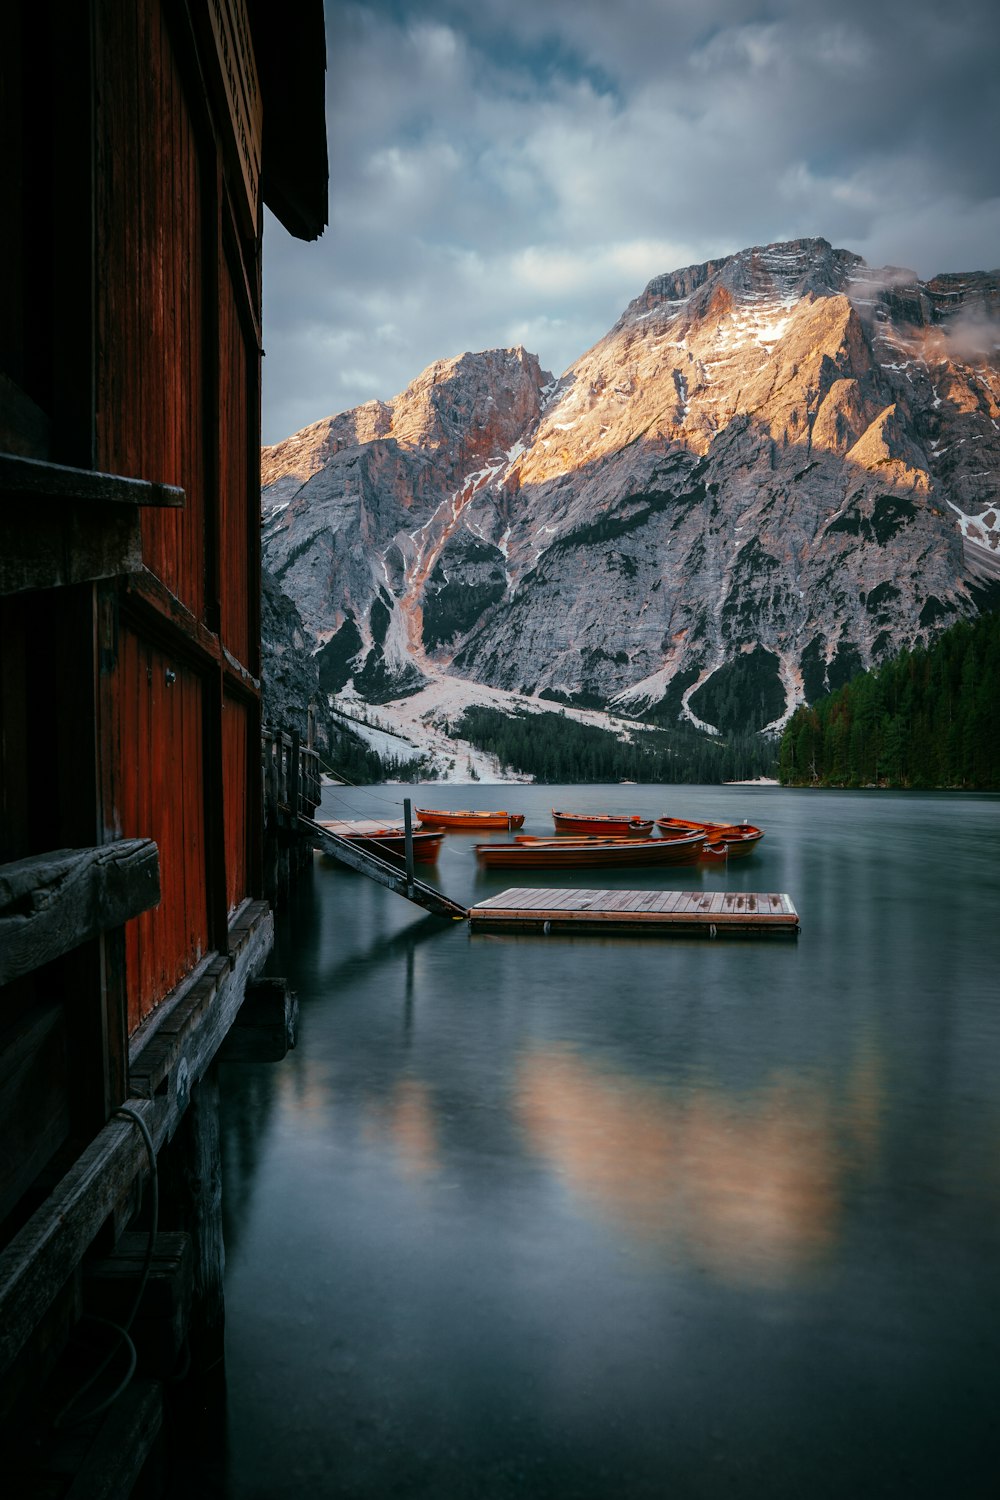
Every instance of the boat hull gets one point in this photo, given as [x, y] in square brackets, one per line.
[387, 842]
[584, 854]
[602, 823]
[739, 838]
[432, 817]
[426, 846]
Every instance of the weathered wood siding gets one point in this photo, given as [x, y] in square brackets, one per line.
[129, 634]
[237, 755]
[150, 314]
[161, 796]
[177, 316]
[239, 475]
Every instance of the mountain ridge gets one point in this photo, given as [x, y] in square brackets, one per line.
[774, 469]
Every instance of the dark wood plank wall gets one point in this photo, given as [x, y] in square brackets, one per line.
[178, 400]
[234, 471]
[162, 797]
[147, 721]
[129, 344]
[238, 753]
[150, 314]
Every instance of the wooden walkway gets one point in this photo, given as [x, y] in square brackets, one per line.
[417, 891]
[655, 913]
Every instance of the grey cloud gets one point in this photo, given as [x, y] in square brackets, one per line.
[504, 167]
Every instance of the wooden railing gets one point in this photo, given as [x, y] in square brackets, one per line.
[291, 778]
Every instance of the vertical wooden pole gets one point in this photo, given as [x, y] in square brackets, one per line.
[408, 839]
[191, 1200]
[296, 778]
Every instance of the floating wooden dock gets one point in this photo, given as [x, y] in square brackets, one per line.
[391, 876]
[660, 913]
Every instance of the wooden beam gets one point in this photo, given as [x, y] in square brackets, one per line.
[163, 617]
[33, 479]
[52, 903]
[265, 1024]
[48, 547]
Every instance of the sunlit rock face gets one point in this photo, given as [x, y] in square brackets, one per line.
[775, 469]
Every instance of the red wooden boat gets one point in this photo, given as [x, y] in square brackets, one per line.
[388, 841]
[586, 853]
[601, 823]
[739, 838]
[432, 817]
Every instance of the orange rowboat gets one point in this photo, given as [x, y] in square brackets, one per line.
[432, 817]
[601, 823]
[739, 838]
[389, 841]
[586, 853]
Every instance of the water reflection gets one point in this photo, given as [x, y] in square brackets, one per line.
[577, 1217]
[747, 1187]
[405, 1120]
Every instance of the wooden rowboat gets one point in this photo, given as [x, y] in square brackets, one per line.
[600, 823]
[389, 840]
[432, 817]
[586, 853]
[739, 838]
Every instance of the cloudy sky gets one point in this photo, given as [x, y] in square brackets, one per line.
[515, 171]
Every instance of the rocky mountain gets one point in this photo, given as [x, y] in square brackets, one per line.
[774, 470]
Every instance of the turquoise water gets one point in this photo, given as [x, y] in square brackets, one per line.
[585, 1217]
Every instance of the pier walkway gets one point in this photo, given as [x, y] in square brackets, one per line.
[386, 874]
[707, 913]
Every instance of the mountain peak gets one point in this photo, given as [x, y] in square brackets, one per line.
[781, 272]
[777, 468]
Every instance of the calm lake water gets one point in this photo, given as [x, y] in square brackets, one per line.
[585, 1217]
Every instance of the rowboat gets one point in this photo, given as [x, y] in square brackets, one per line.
[389, 840]
[562, 841]
[433, 817]
[584, 853]
[600, 823]
[739, 838]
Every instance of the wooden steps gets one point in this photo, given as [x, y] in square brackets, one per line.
[708, 913]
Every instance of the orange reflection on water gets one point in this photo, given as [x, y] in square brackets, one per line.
[406, 1120]
[747, 1186]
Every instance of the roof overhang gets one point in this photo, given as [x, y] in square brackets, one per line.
[290, 48]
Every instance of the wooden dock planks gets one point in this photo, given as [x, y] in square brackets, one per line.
[711, 913]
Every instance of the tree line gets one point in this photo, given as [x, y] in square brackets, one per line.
[348, 758]
[930, 717]
[552, 747]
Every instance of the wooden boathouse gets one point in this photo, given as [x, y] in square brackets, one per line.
[141, 139]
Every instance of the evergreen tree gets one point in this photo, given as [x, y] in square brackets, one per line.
[928, 718]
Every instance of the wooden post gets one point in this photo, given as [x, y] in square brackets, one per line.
[408, 838]
[295, 778]
[191, 1200]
